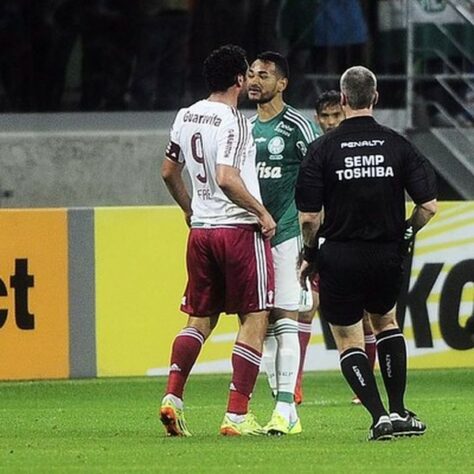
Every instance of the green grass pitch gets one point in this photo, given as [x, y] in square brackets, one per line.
[110, 425]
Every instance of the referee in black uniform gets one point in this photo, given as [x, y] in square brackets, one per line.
[358, 173]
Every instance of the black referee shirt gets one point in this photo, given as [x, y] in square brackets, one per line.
[359, 172]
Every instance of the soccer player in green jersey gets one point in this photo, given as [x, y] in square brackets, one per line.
[282, 136]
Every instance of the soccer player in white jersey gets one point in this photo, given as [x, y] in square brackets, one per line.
[229, 260]
[282, 136]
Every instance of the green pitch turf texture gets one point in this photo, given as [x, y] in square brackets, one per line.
[110, 425]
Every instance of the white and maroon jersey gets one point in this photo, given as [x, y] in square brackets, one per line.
[205, 135]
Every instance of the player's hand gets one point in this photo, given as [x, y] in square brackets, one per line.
[300, 260]
[267, 225]
[303, 274]
[187, 218]
[307, 272]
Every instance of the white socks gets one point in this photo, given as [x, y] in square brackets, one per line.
[288, 355]
[269, 357]
[281, 361]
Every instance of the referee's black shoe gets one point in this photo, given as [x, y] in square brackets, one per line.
[409, 425]
[382, 430]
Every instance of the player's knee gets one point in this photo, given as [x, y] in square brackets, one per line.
[253, 329]
[307, 316]
[204, 325]
[381, 323]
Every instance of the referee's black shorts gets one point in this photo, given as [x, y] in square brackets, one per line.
[358, 275]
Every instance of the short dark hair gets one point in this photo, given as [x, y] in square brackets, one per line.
[281, 64]
[327, 98]
[222, 67]
[359, 85]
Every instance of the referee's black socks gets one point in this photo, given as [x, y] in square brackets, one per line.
[392, 354]
[356, 369]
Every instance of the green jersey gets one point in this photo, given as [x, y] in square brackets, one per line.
[281, 146]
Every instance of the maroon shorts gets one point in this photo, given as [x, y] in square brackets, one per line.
[315, 283]
[230, 269]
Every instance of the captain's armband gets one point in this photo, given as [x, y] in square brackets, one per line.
[173, 151]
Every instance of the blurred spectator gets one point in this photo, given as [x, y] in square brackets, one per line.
[15, 57]
[340, 36]
[266, 27]
[54, 27]
[297, 28]
[158, 80]
[392, 50]
[218, 22]
[147, 54]
[108, 46]
[323, 37]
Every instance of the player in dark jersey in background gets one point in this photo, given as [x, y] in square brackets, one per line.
[328, 110]
[329, 115]
[282, 136]
[359, 173]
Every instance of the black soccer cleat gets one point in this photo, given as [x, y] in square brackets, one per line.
[409, 425]
[382, 430]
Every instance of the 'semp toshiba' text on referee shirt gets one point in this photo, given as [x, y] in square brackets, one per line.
[359, 172]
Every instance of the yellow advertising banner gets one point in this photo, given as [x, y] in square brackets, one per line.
[140, 275]
[440, 298]
[34, 331]
[140, 279]
[138, 260]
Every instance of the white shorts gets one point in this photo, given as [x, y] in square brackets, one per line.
[287, 286]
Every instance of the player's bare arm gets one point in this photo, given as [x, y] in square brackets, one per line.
[310, 223]
[229, 180]
[171, 172]
[422, 213]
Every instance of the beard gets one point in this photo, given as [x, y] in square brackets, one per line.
[263, 98]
